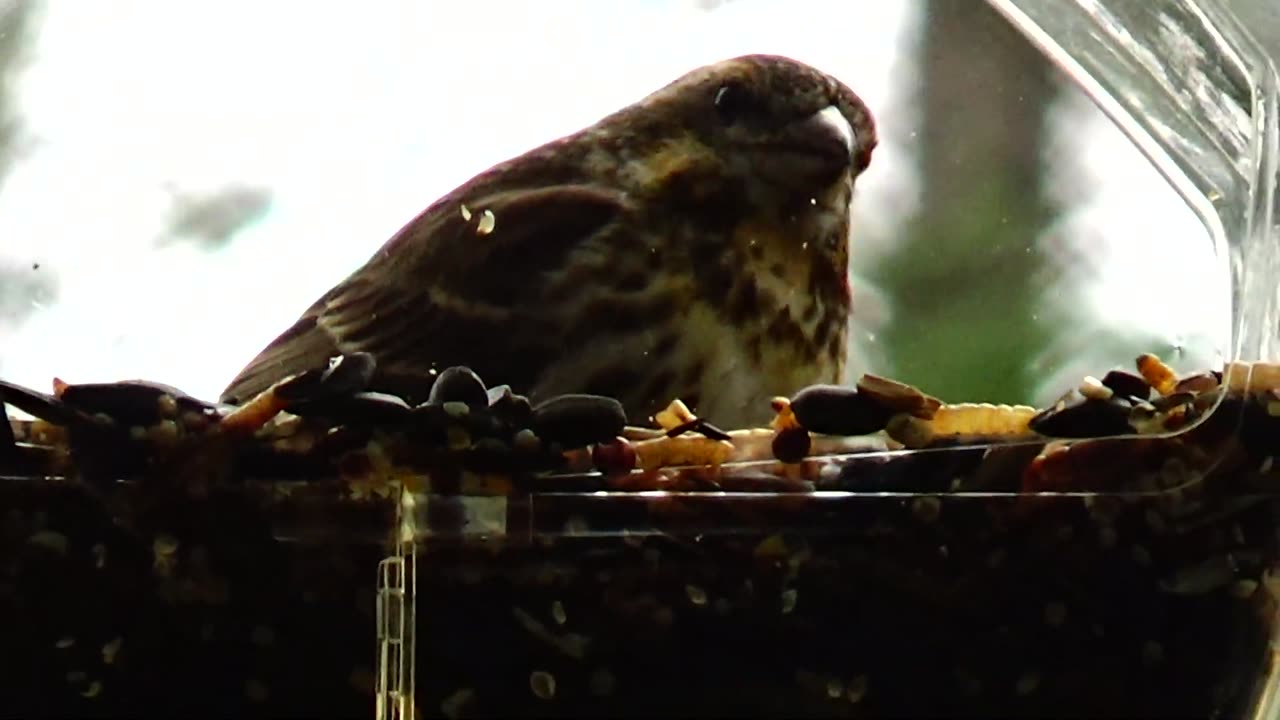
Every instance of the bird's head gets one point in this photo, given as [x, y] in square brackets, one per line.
[774, 128]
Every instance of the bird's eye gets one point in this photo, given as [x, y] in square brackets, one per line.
[733, 102]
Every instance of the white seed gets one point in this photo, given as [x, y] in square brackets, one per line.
[65, 643]
[1093, 389]
[456, 409]
[835, 688]
[486, 223]
[466, 212]
[543, 684]
[525, 440]
[697, 595]
[557, 613]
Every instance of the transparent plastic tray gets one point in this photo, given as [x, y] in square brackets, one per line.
[1186, 545]
[1127, 576]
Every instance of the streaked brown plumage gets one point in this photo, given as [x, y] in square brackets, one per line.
[692, 245]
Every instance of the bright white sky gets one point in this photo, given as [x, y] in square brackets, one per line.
[356, 117]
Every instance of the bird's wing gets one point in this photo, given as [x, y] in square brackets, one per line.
[444, 289]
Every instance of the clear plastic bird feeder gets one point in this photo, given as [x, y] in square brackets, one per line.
[701, 604]
[1128, 575]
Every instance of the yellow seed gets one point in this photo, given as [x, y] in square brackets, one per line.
[773, 546]
[1156, 373]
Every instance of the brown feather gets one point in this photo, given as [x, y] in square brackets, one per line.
[433, 313]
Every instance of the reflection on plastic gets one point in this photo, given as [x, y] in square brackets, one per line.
[397, 574]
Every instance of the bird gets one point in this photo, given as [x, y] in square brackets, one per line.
[693, 245]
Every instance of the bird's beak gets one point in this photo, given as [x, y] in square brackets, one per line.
[828, 130]
[826, 135]
[810, 152]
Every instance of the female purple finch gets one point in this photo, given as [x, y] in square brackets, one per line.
[693, 245]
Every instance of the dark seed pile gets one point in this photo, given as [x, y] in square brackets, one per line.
[166, 556]
[302, 428]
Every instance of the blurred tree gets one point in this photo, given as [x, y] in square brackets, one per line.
[212, 219]
[962, 277]
[1262, 19]
[23, 286]
[17, 28]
